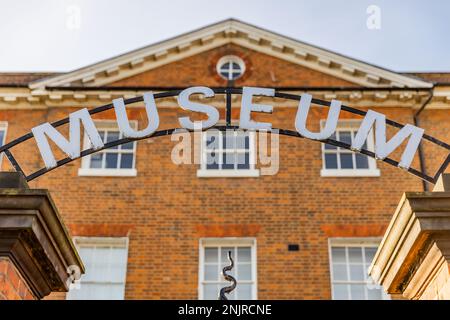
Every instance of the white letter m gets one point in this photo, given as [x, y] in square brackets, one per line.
[71, 147]
[382, 147]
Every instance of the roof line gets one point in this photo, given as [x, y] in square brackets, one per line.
[140, 48]
[229, 23]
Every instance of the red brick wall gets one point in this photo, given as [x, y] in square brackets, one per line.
[166, 209]
[12, 286]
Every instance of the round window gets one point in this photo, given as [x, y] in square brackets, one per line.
[230, 67]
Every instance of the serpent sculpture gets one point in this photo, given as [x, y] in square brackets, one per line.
[228, 277]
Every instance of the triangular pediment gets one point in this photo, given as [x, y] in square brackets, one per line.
[238, 34]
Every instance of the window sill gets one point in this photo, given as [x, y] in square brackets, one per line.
[202, 173]
[107, 172]
[349, 173]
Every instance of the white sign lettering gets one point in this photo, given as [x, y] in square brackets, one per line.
[383, 148]
[124, 124]
[302, 115]
[71, 147]
[186, 104]
[247, 106]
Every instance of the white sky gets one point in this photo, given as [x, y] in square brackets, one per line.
[44, 35]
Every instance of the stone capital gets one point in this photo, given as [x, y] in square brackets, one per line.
[414, 255]
[34, 238]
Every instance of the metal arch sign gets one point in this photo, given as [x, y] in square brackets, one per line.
[371, 121]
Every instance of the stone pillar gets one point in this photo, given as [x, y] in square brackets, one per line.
[413, 259]
[37, 255]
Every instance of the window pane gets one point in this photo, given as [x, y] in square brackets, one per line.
[338, 255]
[356, 279]
[329, 146]
[244, 254]
[126, 161]
[355, 255]
[357, 272]
[374, 294]
[224, 74]
[96, 160]
[111, 160]
[244, 291]
[362, 162]
[242, 140]
[224, 255]
[2, 136]
[357, 291]
[340, 292]
[210, 291]
[112, 136]
[212, 160]
[88, 257]
[127, 146]
[370, 254]
[116, 291]
[236, 75]
[225, 66]
[212, 141]
[211, 272]
[102, 135]
[228, 140]
[117, 268]
[87, 291]
[243, 160]
[345, 136]
[339, 272]
[346, 161]
[106, 266]
[211, 255]
[244, 272]
[241, 271]
[228, 160]
[330, 161]
[100, 272]
[236, 66]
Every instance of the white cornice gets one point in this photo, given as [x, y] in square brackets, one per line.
[231, 31]
[358, 98]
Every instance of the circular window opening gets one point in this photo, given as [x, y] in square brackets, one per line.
[230, 67]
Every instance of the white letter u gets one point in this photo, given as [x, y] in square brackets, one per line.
[124, 124]
[302, 115]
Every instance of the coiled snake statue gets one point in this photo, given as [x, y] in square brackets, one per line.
[228, 277]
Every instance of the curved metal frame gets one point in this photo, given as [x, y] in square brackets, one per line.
[228, 92]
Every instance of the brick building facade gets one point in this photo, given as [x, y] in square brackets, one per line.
[147, 228]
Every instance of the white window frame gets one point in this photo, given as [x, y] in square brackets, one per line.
[228, 242]
[203, 172]
[231, 59]
[345, 242]
[372, 171]
[85, 169]
[122, 242]
[3, 127]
